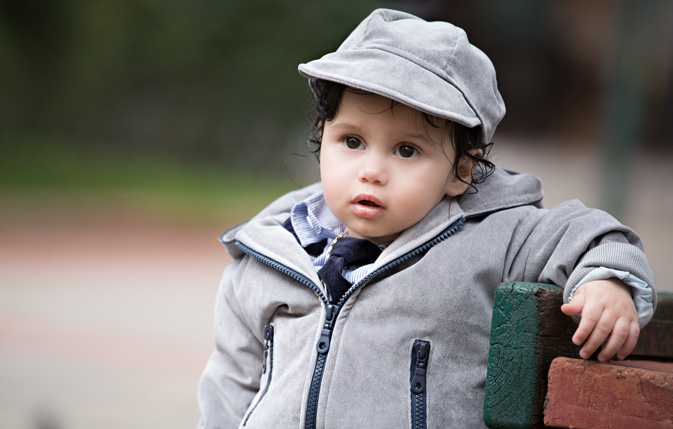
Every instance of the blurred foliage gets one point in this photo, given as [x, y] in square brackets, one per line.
[208, 82]
[214, 83]
[39, 176]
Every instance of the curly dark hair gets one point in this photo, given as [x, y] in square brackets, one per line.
[328, 96]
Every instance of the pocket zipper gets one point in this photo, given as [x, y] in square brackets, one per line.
[268, 357]
[419, 367]
[268, 344]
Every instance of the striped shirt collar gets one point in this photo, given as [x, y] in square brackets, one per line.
[313, 221]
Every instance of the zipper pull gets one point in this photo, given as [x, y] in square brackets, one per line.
[422, 350]
[268, 337]
[326, 334]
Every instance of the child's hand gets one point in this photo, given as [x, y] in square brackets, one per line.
[608, 313]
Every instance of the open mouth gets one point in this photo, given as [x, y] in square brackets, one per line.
[367, 206]
[368, 203]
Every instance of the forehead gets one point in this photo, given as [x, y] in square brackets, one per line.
[355, 102]
[360, 102]
[360, 107]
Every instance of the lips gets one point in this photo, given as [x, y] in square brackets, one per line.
[367, 206]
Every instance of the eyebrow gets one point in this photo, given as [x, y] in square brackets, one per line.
[418, 135]
[336, 124]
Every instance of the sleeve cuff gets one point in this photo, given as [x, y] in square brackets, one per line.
[642, 293]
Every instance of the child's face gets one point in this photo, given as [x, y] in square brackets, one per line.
[384, 168]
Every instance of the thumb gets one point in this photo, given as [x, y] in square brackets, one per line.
[575, 305]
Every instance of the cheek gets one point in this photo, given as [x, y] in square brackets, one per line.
[328, 172]
[331, 176]
[424, 188]
[428, 178]
[334, 163]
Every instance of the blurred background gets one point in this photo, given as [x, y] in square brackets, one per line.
[134, 132]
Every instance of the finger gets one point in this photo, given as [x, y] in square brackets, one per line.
[590, 317]
[618, 336]
[598, 335]
[575, 306]
[631, 341]
[571, 309]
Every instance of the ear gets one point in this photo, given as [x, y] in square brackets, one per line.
[466, 168]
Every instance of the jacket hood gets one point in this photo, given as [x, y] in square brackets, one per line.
[502, 190]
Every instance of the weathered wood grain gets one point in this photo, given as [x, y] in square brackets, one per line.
[528, 331]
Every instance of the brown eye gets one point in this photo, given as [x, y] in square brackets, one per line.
[353, 143]
[406, 151]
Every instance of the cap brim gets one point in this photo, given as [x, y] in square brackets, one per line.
[412, 85]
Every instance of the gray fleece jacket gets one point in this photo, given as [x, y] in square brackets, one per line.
[408, 345]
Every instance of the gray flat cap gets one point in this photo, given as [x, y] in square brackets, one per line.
[430, 66]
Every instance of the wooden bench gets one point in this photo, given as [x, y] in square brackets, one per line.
[529, 332]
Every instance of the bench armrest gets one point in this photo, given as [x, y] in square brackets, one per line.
[528, 331]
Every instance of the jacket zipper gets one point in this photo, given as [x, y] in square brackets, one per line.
[322, 347]
[332, 311]
[419, 368]
[268, 357]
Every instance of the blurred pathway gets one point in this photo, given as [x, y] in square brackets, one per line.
[104, 324]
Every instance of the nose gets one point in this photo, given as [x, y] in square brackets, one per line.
[373, 170]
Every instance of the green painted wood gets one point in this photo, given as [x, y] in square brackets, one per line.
[528, 331]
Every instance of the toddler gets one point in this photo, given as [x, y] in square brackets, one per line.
[365, 301]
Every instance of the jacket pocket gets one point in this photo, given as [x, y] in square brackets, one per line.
[420, 354]
[267, 367]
